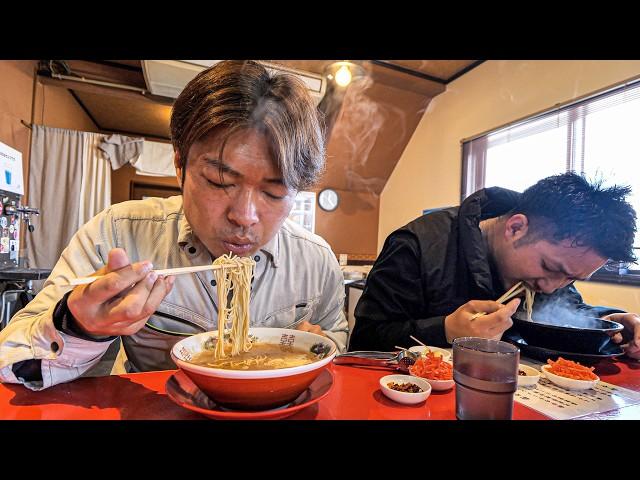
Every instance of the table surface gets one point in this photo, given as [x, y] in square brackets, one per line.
[355, 395]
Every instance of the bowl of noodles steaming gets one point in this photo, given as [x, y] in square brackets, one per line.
[279, 365]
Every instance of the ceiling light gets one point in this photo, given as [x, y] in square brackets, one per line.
[343, 73]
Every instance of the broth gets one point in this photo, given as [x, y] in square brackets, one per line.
[262, 356]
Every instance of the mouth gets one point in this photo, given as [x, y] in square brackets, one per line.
[238, 247]
[532, 286]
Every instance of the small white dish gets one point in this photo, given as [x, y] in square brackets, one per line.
[569, 383]
[445, 354]
[531, 378]
[405, 397]
[440, 385]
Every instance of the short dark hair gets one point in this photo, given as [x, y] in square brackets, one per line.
[568, 206]
[245, 95]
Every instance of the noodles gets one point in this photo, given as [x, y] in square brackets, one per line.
[235, 282]
[529, 295]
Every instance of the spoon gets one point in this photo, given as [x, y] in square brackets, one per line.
[368, 358]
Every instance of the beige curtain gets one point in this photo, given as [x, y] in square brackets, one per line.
[70, 182]
[95, 186]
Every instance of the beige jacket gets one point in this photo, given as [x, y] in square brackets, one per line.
[296, 276]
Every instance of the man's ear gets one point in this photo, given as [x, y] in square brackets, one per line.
[178, 165]
[516, 227]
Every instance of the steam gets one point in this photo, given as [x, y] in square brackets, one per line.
[357, 128]
[561, 312]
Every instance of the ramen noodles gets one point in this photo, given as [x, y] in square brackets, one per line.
[529, 296]
[233, 285]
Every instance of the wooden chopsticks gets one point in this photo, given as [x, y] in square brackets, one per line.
[415, 339]
[508, 295]
[166, 272]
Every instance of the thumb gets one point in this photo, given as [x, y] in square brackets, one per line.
[117, 259]
[513, 305]
[617, 338]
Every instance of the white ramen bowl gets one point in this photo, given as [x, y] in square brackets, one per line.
[256, 389]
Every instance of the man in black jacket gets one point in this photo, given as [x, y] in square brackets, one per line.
[439, 270]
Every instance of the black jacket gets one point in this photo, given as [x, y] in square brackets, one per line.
[429, 268]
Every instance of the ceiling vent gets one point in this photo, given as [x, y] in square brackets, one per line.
[168, 78]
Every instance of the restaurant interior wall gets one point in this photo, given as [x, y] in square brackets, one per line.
[16, 90]
[428, 175]
[23, 99]
[352, 228]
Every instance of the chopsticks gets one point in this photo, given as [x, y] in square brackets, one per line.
[166, 272]
[508, 295]
[414, 338]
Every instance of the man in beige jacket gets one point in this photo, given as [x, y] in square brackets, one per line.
[246, 142]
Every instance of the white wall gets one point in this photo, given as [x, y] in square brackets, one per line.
[495, 93]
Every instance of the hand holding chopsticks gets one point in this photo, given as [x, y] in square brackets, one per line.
[122, 298]
[509, 294]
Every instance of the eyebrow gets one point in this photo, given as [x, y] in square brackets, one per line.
[561, 268]
[213, 162]
[222, 166]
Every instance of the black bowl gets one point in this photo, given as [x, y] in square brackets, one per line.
[609, 351]
[590, 337]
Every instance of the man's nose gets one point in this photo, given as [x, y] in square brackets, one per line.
[243, 210]
[550, 285]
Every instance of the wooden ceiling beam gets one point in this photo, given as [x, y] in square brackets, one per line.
[100, 71]
[104, 90]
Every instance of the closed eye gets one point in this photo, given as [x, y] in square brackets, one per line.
[275, 197]
[219, 185]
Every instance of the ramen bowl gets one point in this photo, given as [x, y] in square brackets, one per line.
[590, 337]
[256, 389]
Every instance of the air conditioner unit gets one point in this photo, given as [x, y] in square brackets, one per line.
[168, 77]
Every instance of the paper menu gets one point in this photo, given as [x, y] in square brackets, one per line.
[562, 404]
[11, 170]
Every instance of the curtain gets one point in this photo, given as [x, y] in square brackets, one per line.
[95, 186]
[70, 182]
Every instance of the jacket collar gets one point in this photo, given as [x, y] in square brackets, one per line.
[483, 204]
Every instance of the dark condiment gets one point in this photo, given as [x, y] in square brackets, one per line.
[405, 387]
[520, 372]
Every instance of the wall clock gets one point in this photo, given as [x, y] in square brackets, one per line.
[328, 199]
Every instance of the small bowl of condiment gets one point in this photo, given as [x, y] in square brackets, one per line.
[527, 376]
[435, 370]
[570, 375]
[405, 389]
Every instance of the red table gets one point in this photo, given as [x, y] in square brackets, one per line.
[355, 396]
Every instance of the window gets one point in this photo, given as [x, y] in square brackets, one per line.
[596, 136]
[304, 210]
